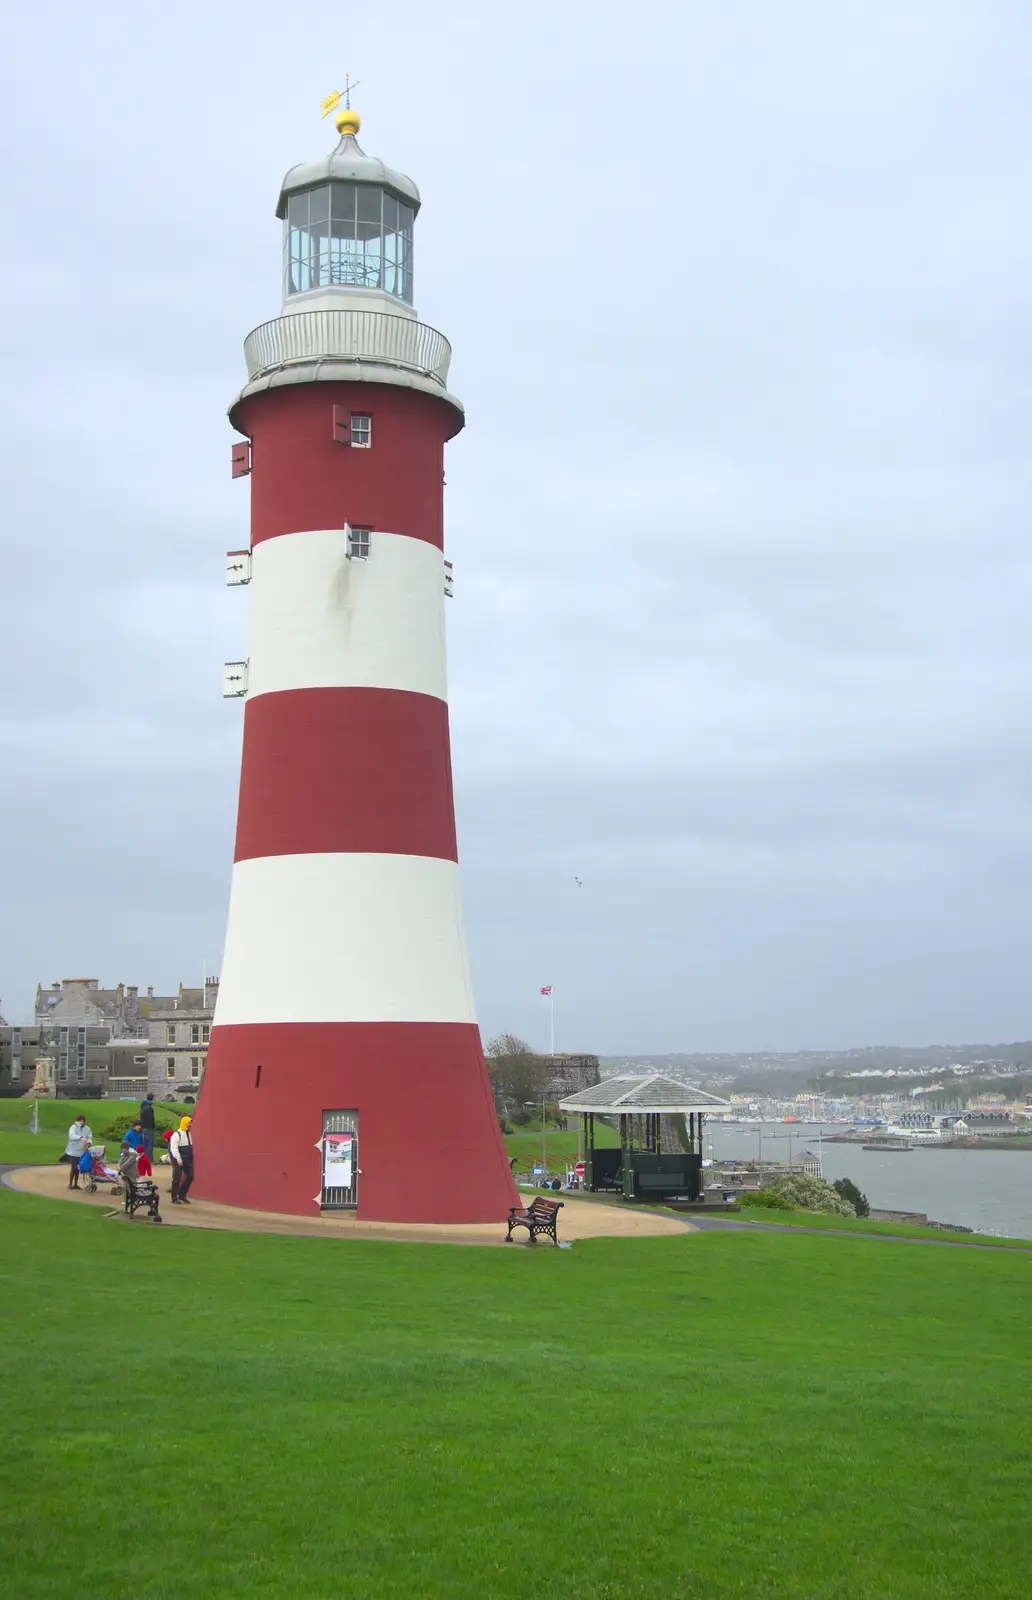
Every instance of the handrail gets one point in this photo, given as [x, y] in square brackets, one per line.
[368, 336]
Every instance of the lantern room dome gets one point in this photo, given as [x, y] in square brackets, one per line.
[348, 163]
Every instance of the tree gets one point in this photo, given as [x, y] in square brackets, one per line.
[849, 1191]
[518, 1074]
[810, 1193]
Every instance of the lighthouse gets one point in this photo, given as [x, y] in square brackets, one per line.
[345, 1070]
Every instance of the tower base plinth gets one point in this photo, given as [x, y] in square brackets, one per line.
[428, 1145]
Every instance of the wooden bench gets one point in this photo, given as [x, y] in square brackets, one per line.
[141, 1194]
[541, 1216]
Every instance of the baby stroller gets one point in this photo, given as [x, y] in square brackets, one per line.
[100, 1172]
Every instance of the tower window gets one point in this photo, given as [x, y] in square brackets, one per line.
[361, 431]
[358, 544]
[357, 235]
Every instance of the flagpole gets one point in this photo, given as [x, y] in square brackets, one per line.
[544, 1136]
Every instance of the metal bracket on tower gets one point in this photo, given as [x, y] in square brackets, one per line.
[234, 680]
[238, 567]
[449, 579]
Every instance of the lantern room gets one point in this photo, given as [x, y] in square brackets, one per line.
[347, 228]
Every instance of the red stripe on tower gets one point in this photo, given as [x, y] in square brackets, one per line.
[346, 769]
[345, 999]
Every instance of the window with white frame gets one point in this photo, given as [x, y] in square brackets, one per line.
[170, 1033]
[205, 1034]
[358, 544]
[361, 431]
[195, 1033]
[195, 1067]
[170, 1070]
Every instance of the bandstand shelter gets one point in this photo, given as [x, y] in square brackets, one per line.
[639, 1166]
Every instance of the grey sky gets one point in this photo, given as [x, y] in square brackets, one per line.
[738, 297]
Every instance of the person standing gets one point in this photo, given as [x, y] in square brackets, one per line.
[85, 1168]
[147, 1123]
[180, 1149]
[80, 1138]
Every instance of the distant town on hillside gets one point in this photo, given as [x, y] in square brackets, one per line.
[809, 1069]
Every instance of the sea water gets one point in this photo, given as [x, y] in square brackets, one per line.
[990, 1190]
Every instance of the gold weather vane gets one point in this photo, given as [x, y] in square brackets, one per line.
[333, 100]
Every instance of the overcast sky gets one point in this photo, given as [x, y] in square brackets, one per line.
[738, 295]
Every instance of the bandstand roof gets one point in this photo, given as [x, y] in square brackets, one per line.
[644, 1092]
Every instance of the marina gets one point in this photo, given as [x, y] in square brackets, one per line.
[989, 1190]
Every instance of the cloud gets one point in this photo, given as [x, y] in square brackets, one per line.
[738, 303]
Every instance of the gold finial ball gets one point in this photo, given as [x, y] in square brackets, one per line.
[347, 121]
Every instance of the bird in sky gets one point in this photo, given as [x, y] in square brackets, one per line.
[579, 883]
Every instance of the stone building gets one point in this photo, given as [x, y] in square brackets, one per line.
[74, 1001]
[19, 1052]
[79, 1051]
[177, 1043]
[112, 1042]
[570, 1074]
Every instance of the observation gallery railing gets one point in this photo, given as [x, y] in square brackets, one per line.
[372, 336]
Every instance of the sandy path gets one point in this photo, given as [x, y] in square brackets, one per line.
[580, 1220]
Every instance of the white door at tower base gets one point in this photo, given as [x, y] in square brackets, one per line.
[340, 1160]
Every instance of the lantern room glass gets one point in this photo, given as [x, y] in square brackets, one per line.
[348, 233]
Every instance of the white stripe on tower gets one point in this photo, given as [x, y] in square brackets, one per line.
[345, 899]
[345, 938]
[319, 620]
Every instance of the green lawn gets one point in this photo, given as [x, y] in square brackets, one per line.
[729, 1414]
[55, 1118]
[561, 1147]
[891, 1230]
[32, 1148]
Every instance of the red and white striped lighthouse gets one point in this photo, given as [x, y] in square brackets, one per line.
[345, 1067]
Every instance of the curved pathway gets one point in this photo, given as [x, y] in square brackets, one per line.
[606, 1220]
[576, 1222]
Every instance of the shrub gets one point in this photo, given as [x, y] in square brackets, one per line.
[808, 1193]
[521, 1116]
[769, 1198]
[505, 1125]
[849, 1191]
